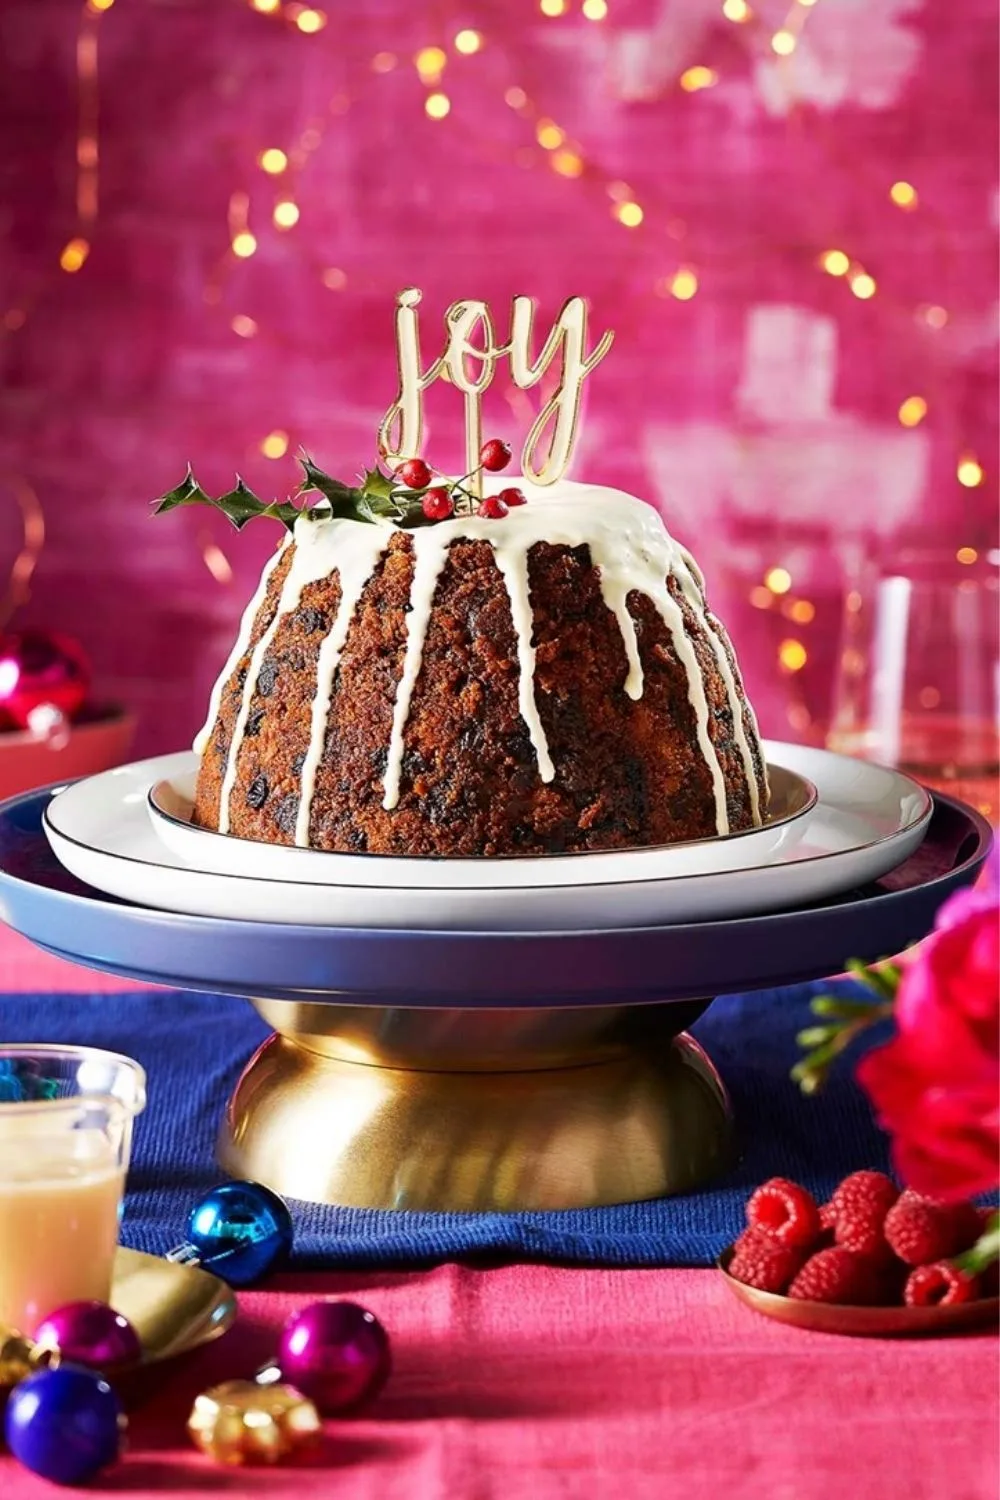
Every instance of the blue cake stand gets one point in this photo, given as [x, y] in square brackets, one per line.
[475, 1071]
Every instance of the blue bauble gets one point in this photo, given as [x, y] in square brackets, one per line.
[65, 1424]
[240, 1229]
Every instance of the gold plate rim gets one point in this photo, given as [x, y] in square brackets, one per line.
[861, 1322]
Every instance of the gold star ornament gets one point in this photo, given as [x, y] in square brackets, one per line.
[241, 1422]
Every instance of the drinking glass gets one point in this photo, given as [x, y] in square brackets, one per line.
[918, 681]
[66, 1116]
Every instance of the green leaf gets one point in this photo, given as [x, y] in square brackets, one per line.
[985, 1251]
[837, 1008]
[816, 1036]
[188, 492]
[883, 982]
[377, 484]
[239, 505]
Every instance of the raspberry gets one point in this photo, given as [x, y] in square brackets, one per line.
[839, 1275]
[940, 1285]
[763, 1262]
[786, 1211]
[828, 1216]
[921, 1230]
[859, 1207]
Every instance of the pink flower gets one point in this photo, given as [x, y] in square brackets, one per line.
[935, 1086]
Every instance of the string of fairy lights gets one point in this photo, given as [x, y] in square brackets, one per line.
[549, 145]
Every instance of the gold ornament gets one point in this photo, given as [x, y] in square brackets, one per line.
[241, 1422]
[549, 445]
[19, 1358]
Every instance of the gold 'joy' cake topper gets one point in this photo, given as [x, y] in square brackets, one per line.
[471, 366]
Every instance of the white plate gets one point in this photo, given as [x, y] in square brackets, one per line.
[866, 821]
[171, 805]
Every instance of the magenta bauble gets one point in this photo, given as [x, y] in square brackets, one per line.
[336, 1353]
[91, 1334]
[44, 680]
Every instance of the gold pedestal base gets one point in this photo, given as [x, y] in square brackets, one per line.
[452, 1110]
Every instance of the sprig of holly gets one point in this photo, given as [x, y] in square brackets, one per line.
[410, 497]
[375, 497]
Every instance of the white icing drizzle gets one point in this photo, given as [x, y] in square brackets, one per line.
[240, 645]
[514, 568]
[739, 724]
[629, 546]
[429, 553]
[355, 565]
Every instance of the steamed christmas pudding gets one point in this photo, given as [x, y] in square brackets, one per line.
[427, 671]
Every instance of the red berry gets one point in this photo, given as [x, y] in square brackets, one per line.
[763, 1262]
[494, 507]
[841, 1276]
[494, 455]
[513, 496]
[785, 1211]
[940, 1285]
[828, 1216]
[414, 473]
[921, 1230]
[437, 505]
[859, 1207]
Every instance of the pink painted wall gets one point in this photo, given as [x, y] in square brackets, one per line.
[760, 414]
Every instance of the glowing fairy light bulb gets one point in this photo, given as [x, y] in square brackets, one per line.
[792, 655]
[904, 195]
[275, 445]
[784, 43]
[244, 244]
[567, 163]
[862, 285]
[286, 213]
[629, 213]
[273, 161]
[683, 284]
[437, 106]
[778, 580]
[912, 411]
[835, 262]
[552, 7]
[548, 135]
[737, 10]
[73, 255]
[693, 79]
[310, 21]
[969, 472]
[467, 42]
[430, 63]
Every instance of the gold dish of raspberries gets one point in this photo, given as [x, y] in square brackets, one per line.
[873, 1260]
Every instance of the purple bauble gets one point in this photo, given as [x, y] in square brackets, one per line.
[336, 1353]
[91, 1334]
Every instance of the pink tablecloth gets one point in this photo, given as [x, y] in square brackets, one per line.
[536, 1383]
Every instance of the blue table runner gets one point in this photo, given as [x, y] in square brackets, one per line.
[194, 1046]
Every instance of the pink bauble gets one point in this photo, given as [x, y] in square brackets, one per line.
[44, 680]
[91, 1334]
[336, 1353]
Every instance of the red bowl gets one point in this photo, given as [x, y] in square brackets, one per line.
[100, 740]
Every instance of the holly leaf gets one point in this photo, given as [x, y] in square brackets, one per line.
[188, 492]
[239, 505]
[377, 484]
